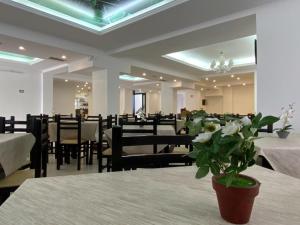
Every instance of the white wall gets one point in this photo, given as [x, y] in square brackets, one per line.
[126, 104]
[13, 103]
[278, 74]
[154, 102]
[192, 99]
[236, 99]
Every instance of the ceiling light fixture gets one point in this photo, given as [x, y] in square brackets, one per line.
[238, 78]
[228, 85]
[77, 86]
[19, 58]
[201, 89]
[66, 80]
[221, 64]
[232, 75]
[64, 57]
[157, 85]
[214, 81]
[144, 74]
[244, 84]
[175, 80]
[206, 78]
[161, 78]
[215, 86]
[22, 48]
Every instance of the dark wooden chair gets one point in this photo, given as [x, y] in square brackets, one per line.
[121, 161]
[64, 145]
[267, 129]
[37, 166]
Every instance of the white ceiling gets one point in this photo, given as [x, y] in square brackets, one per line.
[148, 39]
[35, 50]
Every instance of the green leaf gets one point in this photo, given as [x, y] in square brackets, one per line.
[229, 179]
[268, 120]
[215, 169]
[202, 159]
[256, 120]
[194, 154]
[202, 172]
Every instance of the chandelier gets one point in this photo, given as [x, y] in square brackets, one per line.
[221, 65]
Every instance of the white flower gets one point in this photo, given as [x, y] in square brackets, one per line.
[197, 120]
[212, 119]
[203, 137]
[246, 121]
[230, 128]
[212, 127]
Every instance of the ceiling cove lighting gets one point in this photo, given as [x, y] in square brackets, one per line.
[19, 58]
[127, 77]
[203, 64]
[96, 15]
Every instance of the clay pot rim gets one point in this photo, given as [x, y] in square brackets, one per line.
[256, 185]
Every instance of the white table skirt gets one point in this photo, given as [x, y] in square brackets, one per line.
[282, 154]
[170, 196]
[142, 149]
[15, 151]
[180, 124]
[88, 131]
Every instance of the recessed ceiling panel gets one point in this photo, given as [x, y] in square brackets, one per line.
[241, 51]
[9, 56]
[97, 15]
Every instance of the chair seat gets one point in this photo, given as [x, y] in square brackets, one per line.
[182, 150]
[16, 179]
[107, 152]
[72, 142]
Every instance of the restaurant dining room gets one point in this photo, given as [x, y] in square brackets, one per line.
[139, 112]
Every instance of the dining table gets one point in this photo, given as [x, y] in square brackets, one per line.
[165, 196]
[88, 131]
[167, 130]
[14, 152]
[282, 154]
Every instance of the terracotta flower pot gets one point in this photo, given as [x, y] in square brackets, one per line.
[235, 204]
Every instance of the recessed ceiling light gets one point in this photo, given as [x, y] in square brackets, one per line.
[78, 91]
[157, 85]
[64, 57]
[228, 85]
[214, 81]
[22, 48]
[81, 88]
[244, 84]
[206, 78]
[232, 75]
[66, 80]
[175, 80]
[89, 88]
[119, 87]
[144, 74]
[77, 86]
[201, 89]
[150, 91]
[85, 85]
[215, 86]
[238, 78]
[161, 78]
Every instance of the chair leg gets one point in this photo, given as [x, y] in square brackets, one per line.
[78, 157]
[86, 150]
[91, 145]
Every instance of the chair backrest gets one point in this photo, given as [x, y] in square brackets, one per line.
[152, 123]
[93, 118]
[39, 153]
[120, 161]
[67, 123]
[169, 120]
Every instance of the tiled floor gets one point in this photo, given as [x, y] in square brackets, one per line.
[71, 169]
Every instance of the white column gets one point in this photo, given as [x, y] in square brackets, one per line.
[99, 90]
[168, 98]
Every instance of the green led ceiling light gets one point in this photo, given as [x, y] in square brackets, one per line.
[131, 78]
[18, 58]
[97, 15]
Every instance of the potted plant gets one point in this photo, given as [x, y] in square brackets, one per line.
[286, 116]
[226, 152]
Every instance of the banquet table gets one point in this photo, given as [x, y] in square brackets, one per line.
[88, 131]
[282, 154]
[169, 196]
[14, 152]
[142, 149]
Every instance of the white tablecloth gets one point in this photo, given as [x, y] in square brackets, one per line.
[180, 124]
[169, 196]
[15, 151]
[142, 149]
[282, 154]
[88, 131]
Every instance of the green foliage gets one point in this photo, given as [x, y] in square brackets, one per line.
[228, 154]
